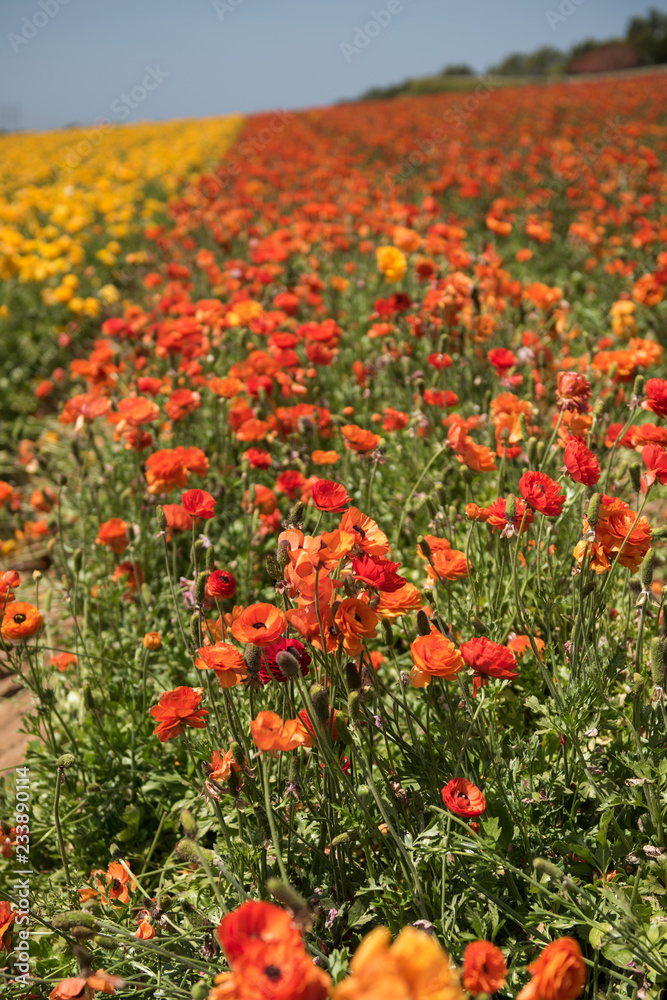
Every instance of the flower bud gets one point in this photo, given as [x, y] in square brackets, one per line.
[104, 941]
[320, 700]
[66, 761]
[344, 734]
[523, 427]
[77, 559]
[295, 518]
[282, 554]
[638, 387]
[637, 683]
[657, 663]
[424, 546]
[152, 641]
[74, 918]
[272, 567]
[352, 676]
[210, 559]
[88, 699]
[466, 475]
[353, 706]
[547, 868]
[646, 573]
[510, 508]
[635, 471]
[531, 444]
[286, 895]
[199, 991]
[287, 663]
[253, 658]
[161, 518]
[539, 451]
[593, 514]
[237, 754]
[188, 850]
[188, 823]
[195, 629]
[423, 626]
[431, 507]
[598, 408]
[388, 631]
[200, 587]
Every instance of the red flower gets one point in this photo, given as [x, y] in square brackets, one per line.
[656, 396]
[270, 669]
[378, 573]
[290, 482]
[484, 968]
[541, 493]
[199, 503]
[7, 916]
[501, 359]
[489, 659]
[498, 520]
[655, 459]
[330, 496]
[581, 463]
[573, 391]
[257, 458]
[176, 709]
[221, 583]
[463, 798]
[255, 922]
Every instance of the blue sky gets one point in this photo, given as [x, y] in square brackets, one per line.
[210, 57]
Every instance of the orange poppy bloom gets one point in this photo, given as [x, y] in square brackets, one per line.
[227, 662]
[226, 388]
[324, 457]
[137, 410]
[270, 733]
[113, 533]
[359, 440]
[260, 623]
[447, 564]
[414, 965]
[7, 916]
[558, 974]
[61, 661]
[177, 709]
[255, 922]
[355, 619]
[391, 262]
[434, 656]
[20, 621]
[484, 968]
[368, 536]
[407, 600]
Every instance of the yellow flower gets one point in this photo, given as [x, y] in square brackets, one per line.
[392, 262]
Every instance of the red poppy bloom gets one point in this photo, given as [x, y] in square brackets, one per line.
[7, 916]
[501, 359]
[497, 517]
[199, 503]
[489, 659]
[484, 968]
[656, 396]
[114, 534]
[541, 493]
[257, 458]
[270, 669]
[573, 391]
[221, 583]
[290, 482]
[655, 459]
[378, 573]
[330, 496]
[581, 463]
[463, 798]
[176, 709]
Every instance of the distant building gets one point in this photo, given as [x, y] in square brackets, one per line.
[605, 58]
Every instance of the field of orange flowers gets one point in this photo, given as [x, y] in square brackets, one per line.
[333, 525]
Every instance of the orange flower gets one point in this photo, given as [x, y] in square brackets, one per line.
[405, 601]
[20, 621]
[325, 457]
[114, 883]
[616, 522]
[130, 572]
[61, 661]
[176, 709]
[137, 410]
[114, 534]
[558, 974]
[152, 641]
[484, 968]
[519, 644]
[260, 623]
[447, 564]
[7, 916]
[414, 966]
[368, 536]
[255, 922]
[434, 656]
[355, 619]
[269, 732]
[225, 660]
[359, 440]
[145, 931]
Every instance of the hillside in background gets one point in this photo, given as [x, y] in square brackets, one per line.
[644, 44]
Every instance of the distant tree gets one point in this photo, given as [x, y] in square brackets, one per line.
[649, 36]
[457, 69]
[513, 65]
[545, 60]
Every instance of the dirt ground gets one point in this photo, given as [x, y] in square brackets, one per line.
[14, 702]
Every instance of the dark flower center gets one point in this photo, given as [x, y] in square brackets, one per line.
[259, 625]
[19, 619]
[273, 973]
